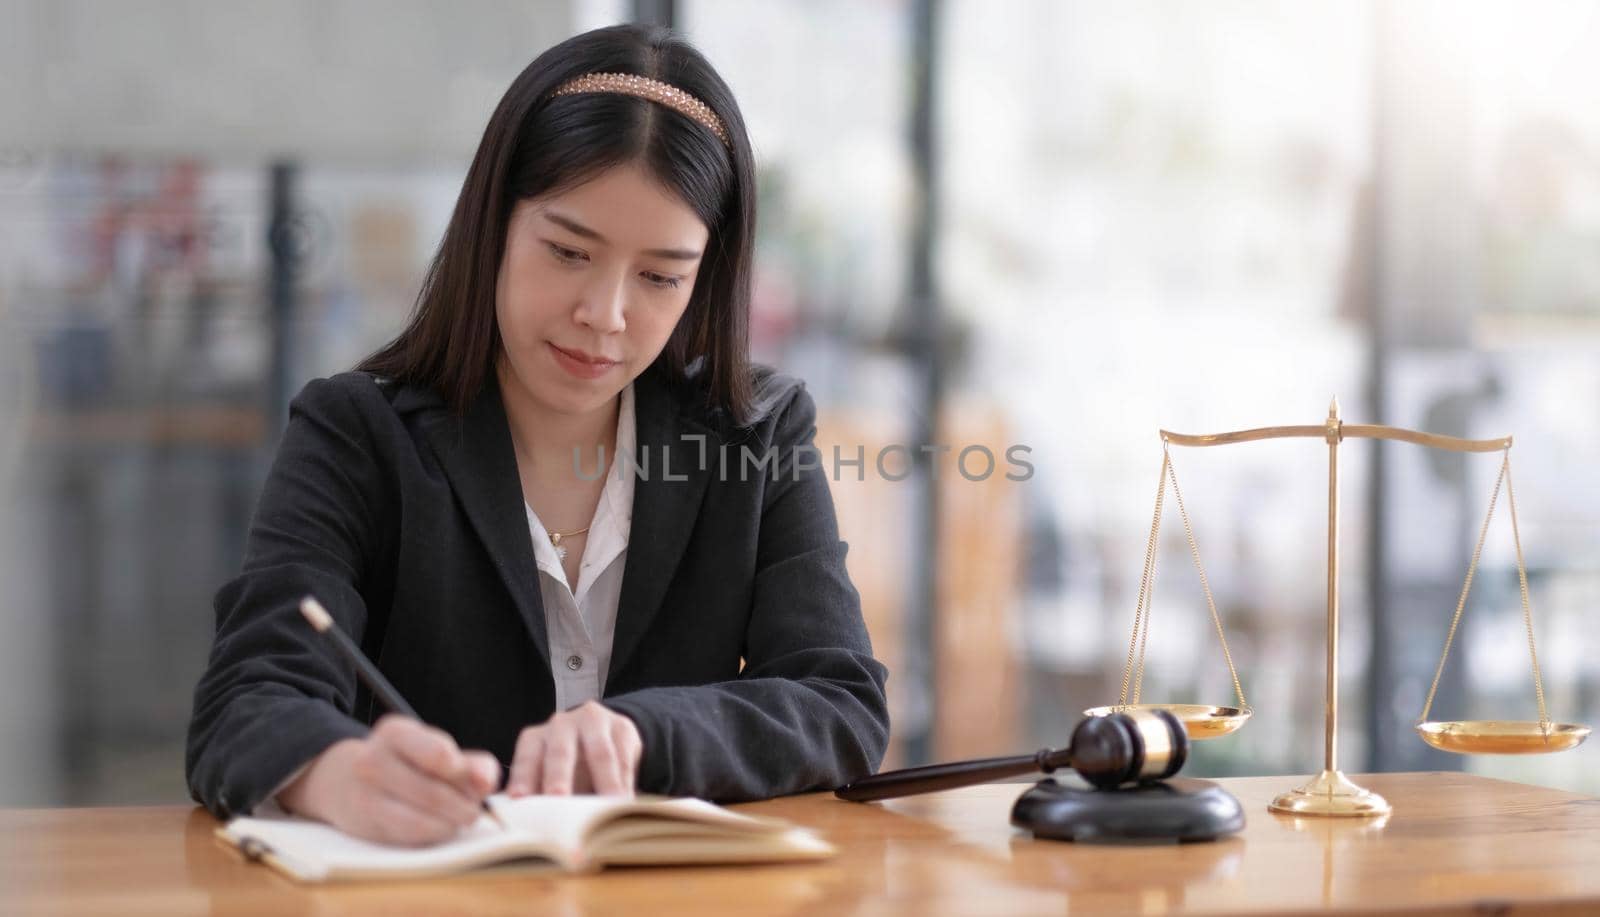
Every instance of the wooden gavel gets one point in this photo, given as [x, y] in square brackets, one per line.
[1108, 751]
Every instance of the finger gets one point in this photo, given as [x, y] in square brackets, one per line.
[388, 773]
[485, 772]
[392, 821]
[600, 755]
[527, 764]
[581, 784]
[560, 758]
[429, 750]
[629, 749]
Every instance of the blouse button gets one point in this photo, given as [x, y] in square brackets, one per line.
[574, 663]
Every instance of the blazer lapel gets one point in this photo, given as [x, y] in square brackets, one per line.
[479, 459]
[664, 508]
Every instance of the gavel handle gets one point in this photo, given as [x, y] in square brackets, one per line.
[933, 777]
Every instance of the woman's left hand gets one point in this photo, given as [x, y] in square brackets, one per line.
[588, 749]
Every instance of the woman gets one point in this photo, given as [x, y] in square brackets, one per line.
[681, 624]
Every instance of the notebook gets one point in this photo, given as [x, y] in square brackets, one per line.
[571, 833]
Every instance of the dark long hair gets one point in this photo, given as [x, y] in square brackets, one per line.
[535, 145]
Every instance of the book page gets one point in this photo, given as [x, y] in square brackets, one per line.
[314, 851]
[650, 849]
[611, 829]
[566, 822]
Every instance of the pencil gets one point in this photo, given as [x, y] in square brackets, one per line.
[322, 623]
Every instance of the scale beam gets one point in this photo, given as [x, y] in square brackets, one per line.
[1346, 431]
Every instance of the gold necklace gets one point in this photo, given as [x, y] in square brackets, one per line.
[555, 541]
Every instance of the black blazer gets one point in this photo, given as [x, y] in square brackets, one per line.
[407, 522]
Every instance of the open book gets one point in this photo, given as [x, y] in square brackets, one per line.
[567, 832]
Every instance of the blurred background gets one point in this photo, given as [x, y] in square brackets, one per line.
[1048, 224]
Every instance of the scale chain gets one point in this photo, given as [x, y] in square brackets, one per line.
[1527, 606]
[1139, 610]
[1205, 585]
[1142, 611]
[1504, 478]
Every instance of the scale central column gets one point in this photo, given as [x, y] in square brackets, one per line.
[1331, 792]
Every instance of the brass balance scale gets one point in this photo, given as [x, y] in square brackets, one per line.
[1331, 792]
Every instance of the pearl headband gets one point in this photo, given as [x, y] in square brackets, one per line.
[646, 88]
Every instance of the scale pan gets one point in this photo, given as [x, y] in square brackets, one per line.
[1199, 720]
[1501, 737]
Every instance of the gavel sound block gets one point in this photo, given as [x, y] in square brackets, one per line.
[1125, 756]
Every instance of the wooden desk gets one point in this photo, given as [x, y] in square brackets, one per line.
[1455, 844]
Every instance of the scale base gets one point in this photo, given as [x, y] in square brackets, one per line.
[1173, 810]
[1331, 793]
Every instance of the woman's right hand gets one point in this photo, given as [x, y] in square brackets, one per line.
[406, 783]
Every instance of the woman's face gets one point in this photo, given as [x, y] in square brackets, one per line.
[593, 281]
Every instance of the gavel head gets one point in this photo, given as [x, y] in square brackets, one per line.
[1128, 747]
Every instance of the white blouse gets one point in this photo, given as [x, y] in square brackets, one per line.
[580, 622]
